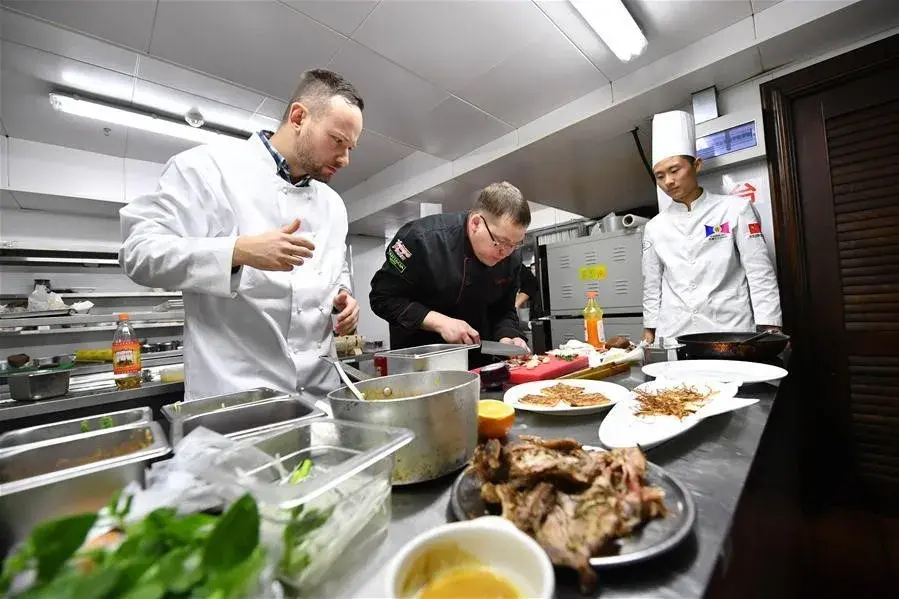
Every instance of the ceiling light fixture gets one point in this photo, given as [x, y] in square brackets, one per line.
[614, 24]
[129, 117]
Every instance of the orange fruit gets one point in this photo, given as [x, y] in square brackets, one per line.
[495, 419]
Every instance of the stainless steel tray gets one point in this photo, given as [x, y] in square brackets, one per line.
[75, 426]
[48, 479]
[183, 409]
[654, 538]
[248, 418]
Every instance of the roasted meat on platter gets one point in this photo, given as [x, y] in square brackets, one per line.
[574, 502]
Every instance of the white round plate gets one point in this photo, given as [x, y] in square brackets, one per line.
[614, 392]
[735, 371]
[623, 428]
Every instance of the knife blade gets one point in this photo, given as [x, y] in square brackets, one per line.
[495, 348]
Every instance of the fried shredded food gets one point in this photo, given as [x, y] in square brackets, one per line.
[680, 401]
[576, 503]
[572, 395]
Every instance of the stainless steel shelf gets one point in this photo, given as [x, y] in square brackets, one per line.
[173, 315]
[106, 327]
[104, 262]
[101, 294]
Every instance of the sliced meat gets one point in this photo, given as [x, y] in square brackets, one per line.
[489, 494]
[562, 539]
[535, 461]
[487, 460]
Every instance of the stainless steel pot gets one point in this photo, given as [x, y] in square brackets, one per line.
[440, 407]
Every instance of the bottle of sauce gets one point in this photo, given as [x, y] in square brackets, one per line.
[126, 368]
[593, 329]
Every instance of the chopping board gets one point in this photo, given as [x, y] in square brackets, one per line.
[553, 369]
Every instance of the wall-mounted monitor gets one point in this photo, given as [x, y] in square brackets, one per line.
[727, 141]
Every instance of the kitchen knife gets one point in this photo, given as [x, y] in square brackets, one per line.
[495, 348]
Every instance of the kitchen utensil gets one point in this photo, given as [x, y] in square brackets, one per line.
[600, 372]
[34, 314]
[661, 351]
[75, 426]
[553, 369]
[653, 539]
[440, 407]
[343, 376]
[38, 384]
[495, 348]
[63, 476]
[717, 370]
[613, 392]
[734, 346]
[174, 415]
[492, 541]
[758, 336]
[438, 356]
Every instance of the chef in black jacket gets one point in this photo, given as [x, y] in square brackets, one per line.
[453, 277]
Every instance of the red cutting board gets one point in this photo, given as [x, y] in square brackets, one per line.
[555, 368]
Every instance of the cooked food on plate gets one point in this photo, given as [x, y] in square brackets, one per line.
[679, 401]
[529, 362]
[572, 395]
[620, 342]
[574, 502]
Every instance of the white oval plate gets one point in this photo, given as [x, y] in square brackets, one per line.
[614, 392]
[623, 428]
[735, 371]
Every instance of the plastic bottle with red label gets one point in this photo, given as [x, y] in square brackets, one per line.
[126, 367]
[593, 329]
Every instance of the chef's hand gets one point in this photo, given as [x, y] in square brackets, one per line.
[649, 336]
[273, 250]
[349, 313]
[516, 341]
[451, 329]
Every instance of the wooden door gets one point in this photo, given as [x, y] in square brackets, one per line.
[835, 170]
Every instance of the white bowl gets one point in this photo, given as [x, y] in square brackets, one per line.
[493, 541]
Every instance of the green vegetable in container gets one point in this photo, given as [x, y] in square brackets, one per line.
[85, 426]
[107, 422]
[301, 471]
[163, 556]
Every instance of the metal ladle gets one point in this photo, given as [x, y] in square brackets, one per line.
[344, 377]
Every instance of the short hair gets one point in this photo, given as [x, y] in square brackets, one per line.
[504, 199]
[318, 86]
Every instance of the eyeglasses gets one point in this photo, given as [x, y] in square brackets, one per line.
[505, 245]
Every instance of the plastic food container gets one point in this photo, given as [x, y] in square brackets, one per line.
[341, 504]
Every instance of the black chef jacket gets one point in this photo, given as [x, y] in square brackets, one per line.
[431, 265]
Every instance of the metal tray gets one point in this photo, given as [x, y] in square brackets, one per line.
[75, 426]
[39, 384]
[183, 409]
[248, 418]
[653, 539]
[437, 356]
[36, 484]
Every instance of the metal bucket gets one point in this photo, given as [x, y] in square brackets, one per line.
[440, 407]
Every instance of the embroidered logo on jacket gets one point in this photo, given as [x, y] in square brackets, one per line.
[397, 256]
[717, 231]
[755, 230]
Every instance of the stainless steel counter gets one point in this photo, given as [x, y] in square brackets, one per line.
[74, 400]
[713, 460]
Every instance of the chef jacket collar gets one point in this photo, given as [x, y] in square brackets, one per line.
[283, 169]
[678, 207]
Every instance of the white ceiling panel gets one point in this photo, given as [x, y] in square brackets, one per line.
[669, 25]
[27, 114]
[455, 127]
[260, 44]
[535, 80]
[450, 42]
[37, 34]
[760, 5]
[177, 102]
[373, 154]
[345, 15]
[273, 109]
[142, 145]
[395, 99]
[198, 84]
[127, 23]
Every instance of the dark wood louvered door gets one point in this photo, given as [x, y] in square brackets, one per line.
[845, 139]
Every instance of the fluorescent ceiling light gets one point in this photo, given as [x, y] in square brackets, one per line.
[132, 118]
[617, 28]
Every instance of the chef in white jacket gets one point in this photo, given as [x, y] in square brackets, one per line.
[705, 266]
[255, 239]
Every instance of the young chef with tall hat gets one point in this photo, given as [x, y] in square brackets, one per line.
[254, 237]
[454, 277]
[705, 265]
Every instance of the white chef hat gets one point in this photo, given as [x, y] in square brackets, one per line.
[673, 134]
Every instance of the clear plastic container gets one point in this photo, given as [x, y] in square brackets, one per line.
[126, 363]
[341, 504]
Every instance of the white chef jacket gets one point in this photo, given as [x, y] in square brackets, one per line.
[707, 269]
[251, 328]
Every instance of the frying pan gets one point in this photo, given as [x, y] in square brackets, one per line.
[731, 346]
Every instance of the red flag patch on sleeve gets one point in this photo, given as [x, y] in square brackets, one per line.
[755, 229]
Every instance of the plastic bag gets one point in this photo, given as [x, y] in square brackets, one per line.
[42, 299]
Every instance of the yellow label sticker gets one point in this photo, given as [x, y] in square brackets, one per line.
[592, 273]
